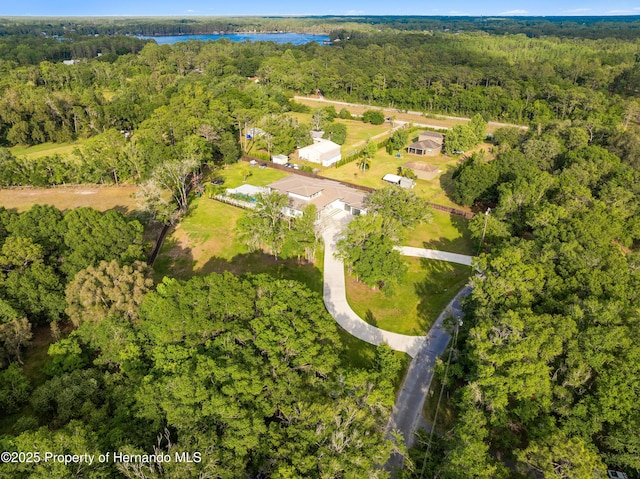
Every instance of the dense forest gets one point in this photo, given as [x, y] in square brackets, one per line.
[249, 370]
[545, 362]
[592, 83]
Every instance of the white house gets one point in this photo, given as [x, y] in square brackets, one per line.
[329, 196]
[325, 152]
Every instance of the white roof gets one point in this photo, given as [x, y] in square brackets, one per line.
[392, 178]
[322, 146]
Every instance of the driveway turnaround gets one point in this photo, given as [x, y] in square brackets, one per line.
[335, 296]
[335, 299]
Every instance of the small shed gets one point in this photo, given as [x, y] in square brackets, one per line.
[423, 170]
[399, 180]
[280, 159]
[325, 152]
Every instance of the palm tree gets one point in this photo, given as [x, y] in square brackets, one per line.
[364, 163]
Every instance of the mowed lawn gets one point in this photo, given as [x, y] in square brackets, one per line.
[45, 149]
[383, 163]
[358, 132]
[416, 303]
[234, 175]
[206, 240]
[99, 197]
[446, 233]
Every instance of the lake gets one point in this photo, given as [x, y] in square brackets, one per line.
[295, 38]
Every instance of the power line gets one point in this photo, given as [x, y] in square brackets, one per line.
[444, 381]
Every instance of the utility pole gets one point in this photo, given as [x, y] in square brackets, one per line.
[484, 230]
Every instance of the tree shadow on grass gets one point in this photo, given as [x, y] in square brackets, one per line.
[125, 210]
[259, 262]
[370, 318]
[173, 260]
[446, 180]
[442, 282]
[462, 244]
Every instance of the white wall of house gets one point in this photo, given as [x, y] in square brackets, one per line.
[291, 212]
[300, 197]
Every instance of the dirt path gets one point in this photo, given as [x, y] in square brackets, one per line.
[417, 117]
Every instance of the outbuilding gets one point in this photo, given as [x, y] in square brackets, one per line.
[280, 159]
[325, 152]
[423, 171]
[399, 180]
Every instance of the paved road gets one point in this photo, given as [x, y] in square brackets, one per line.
[406, 416]
[395, 110]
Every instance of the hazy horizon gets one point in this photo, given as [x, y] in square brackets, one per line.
[204, 8]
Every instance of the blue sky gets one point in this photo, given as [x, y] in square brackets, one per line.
[325, 7]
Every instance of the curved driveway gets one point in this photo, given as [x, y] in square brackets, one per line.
[335, 297]
[406, 416]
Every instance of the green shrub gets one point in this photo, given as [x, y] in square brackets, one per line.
[375, 117]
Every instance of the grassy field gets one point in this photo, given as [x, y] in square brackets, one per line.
[416, 303]
[101, 198]
[357, 132]
[204, 242]
[382, 163]
[446, 232]
[234, 175]
[437, 190]
[45, 149]
[360, 109]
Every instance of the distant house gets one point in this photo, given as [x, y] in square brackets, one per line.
[423, 171]
[70, 62]
[329, 197]
[424, 148]
[325, 152]
[429, 144]
[280, 159]
[399, 180]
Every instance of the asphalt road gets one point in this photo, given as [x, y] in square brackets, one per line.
[406, 416]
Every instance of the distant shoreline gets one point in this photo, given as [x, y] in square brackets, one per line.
[277, 36]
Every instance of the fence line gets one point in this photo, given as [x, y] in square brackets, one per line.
[435, 206]
[232, 201]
